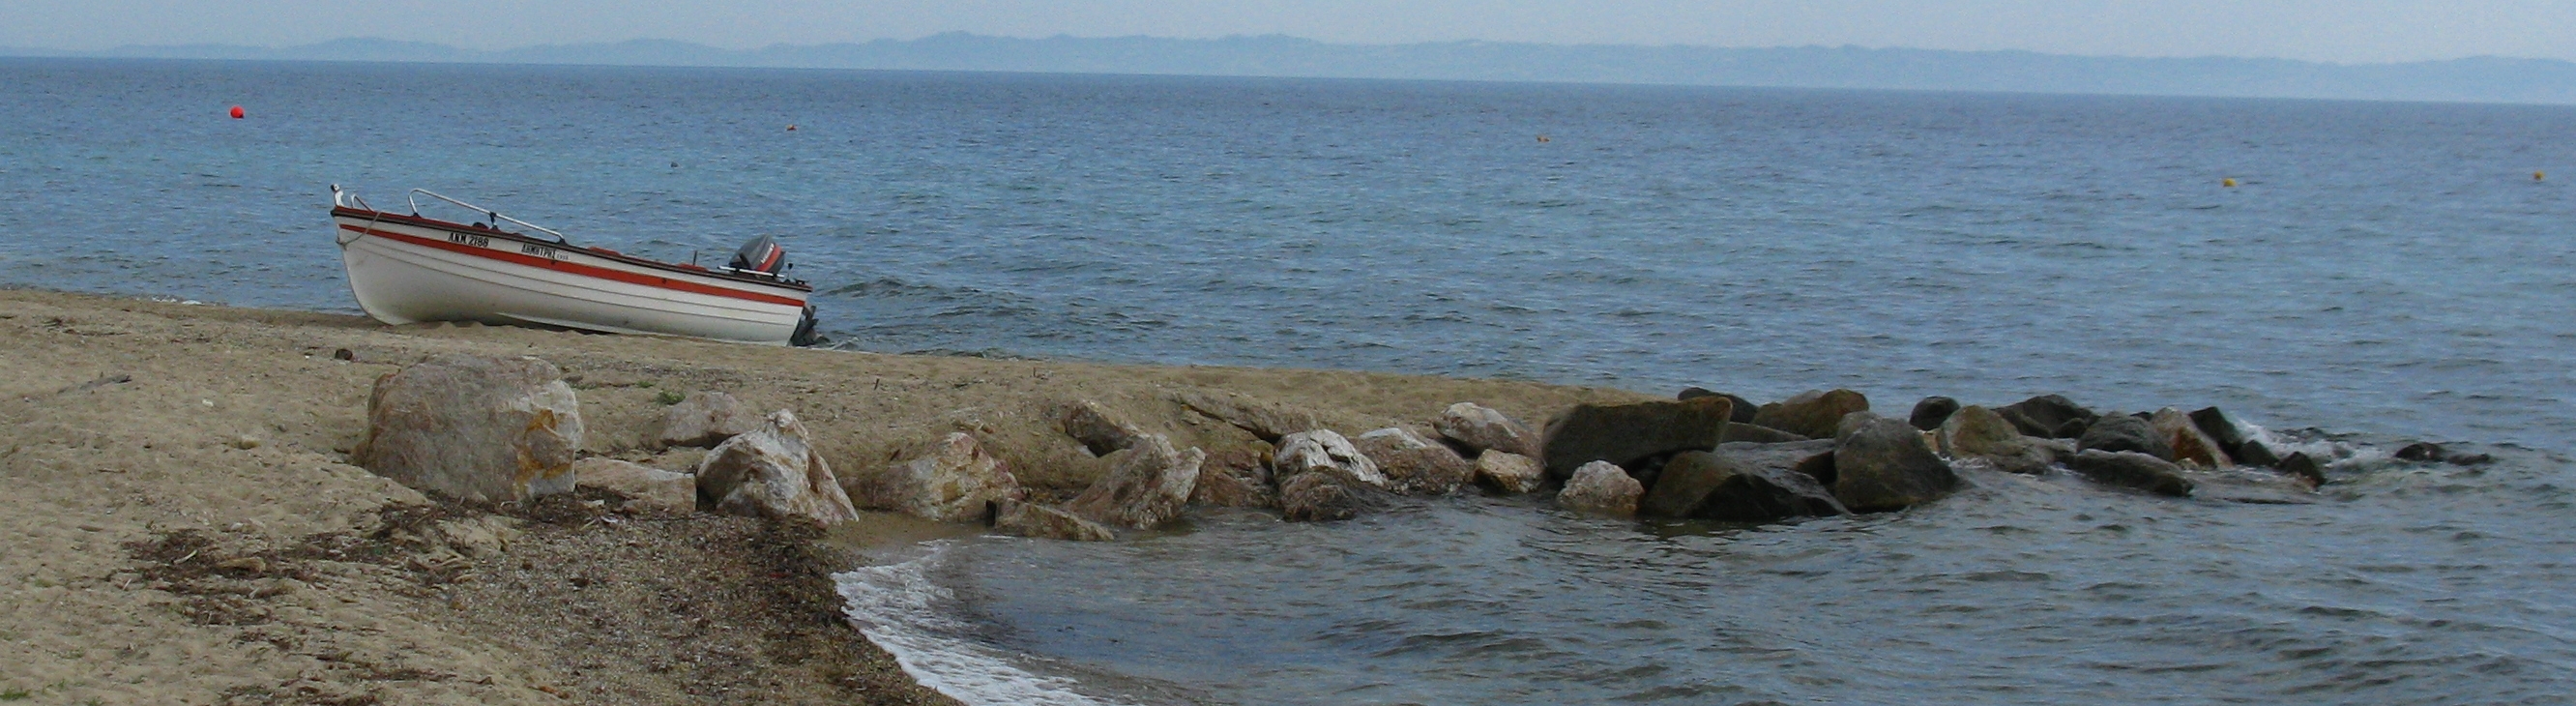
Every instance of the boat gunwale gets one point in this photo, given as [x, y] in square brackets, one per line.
[452, 226]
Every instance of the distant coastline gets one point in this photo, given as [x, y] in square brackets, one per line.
[2472, 80]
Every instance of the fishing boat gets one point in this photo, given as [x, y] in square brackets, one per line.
[408, 268]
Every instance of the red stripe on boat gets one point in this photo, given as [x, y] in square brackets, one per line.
[579, 269]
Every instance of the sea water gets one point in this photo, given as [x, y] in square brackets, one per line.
[2378, 273]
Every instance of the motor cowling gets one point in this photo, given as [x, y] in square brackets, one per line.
[761, 255]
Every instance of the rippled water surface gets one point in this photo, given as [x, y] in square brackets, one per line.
[2385, 271]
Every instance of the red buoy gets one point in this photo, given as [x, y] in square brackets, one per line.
[237, 112]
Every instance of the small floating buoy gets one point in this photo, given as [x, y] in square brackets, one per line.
[2537, 176]
[791, 127]
[2229, 183]
[237, 112]
[1542, 139]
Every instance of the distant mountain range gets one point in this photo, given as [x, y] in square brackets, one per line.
[2482, 79]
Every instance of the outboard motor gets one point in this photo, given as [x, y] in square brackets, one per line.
[761, 255]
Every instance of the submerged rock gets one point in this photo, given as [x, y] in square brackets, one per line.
[1931, 412]
[1325, 497]
[957, 482]
[2130, 469]
[1146, 486]
[1883, 465]
[2303, 467]
[2121, 432]
[2430, 452]
[1742, 483]
[2256, 453]
[703, 420]
[1099, 432]
[1022, 519]
[2048, 416]
[1414, 465]
[1627, 433]
[474, 428]
[773, 471]
[1975, 432]
[1509, 473]
[2224, 429]
[1601, 488]
[1477, 428]
[1236, 477]
[1812, 414]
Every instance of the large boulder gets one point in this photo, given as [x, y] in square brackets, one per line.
[1236, 477]
[1813, 413]
[2188, 442]
[1931, 412]
[703, 420]
[1509, 473]
[2121, 432]
[1099, 431]
[644, 486]
[957, 482]
[1975, 432]
[474, 428]
[1478, 428]
[2048, 417]
[1326, 496]
[1741, 483]
[2224, 429]
[1883, 465]
[1414, 465]
[2130, 469]
[1601, 488]
[773, 471]
[1628, 433]
[1146, 486]
[1021, 519]
[1266, 421]
[1744, 408]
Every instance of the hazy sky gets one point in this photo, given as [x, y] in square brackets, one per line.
[2352, 31]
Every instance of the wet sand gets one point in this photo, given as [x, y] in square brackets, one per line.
[185, 527]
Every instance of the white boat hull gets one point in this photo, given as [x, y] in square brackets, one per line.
[408, 270]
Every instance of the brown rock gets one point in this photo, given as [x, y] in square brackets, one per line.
[1741, 483]
[703, 420]
[2188, 442]
[474, 428]
[2048, 416]
[1326, 496]
[1744, 408]
[1147, 484]
[773, 471]
[1975, 432]
[1098, 430]
[1236, 477]
[2121, 432]
[2130, 469]
[644, 486]
[1413, 465]
[1627, 433]
[1755, 433]
[1813, 413]
[1021, 519]
[1269, 422]
[1479, 428]
[1883, 465]
[956, 483]
[1509, 473]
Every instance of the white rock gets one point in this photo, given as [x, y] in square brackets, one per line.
[1601, 488]
[958, 482]
[773, 471]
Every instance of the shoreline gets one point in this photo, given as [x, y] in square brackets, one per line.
[150, 437]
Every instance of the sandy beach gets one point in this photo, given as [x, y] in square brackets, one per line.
[187, 528]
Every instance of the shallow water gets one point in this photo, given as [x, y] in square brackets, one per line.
[2387, 271]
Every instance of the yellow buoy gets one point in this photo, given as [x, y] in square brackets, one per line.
[2229, 183]
[2537, 176]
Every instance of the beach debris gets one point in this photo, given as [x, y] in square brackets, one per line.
[957, 482]
[1631, 433]
[644, 486]
[1742, 482]
[2121, 432]
[1883, 464]
[1478, 428]
[1024, 519]
[1236, 477]
[702, 420]
[1413, 465]
[1601, 488]
[2131, 469]
[1931, 412]
[1099, 431]
[1975, 432]
[1813, 413]
[1147, 484]
[475, 428]
[774, 471]
[1509, 473]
